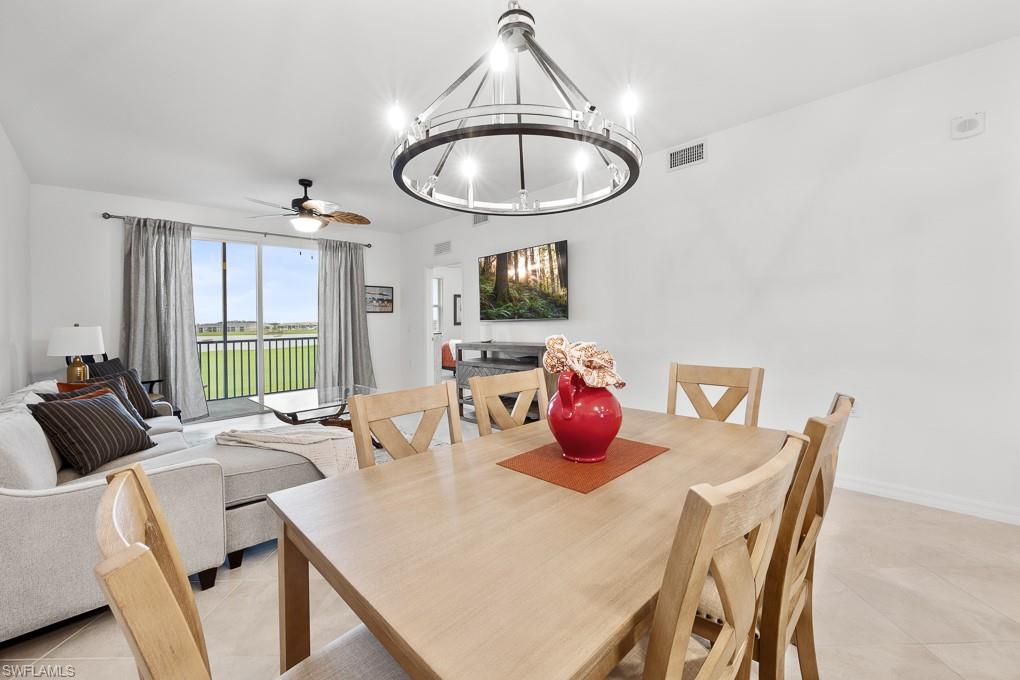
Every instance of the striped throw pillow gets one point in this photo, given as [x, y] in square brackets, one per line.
[89, 432]
[114, 385]
[136, 391]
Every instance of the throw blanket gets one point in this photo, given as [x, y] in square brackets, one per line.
[330, 449]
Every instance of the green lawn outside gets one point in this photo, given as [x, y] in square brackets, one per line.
[287, 368]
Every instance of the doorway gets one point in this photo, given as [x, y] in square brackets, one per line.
[256, 314]
[443, 320]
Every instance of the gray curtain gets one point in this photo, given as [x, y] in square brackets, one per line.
[158, 335]
[344, 357]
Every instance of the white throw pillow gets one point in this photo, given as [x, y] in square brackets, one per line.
[27, 461]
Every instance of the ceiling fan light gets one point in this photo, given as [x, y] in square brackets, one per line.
[307, 224]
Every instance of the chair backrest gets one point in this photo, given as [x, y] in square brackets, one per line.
[793, 559]
[740, 383]
[487, 393]
[728, 531]
[371, 414]
[144, 580]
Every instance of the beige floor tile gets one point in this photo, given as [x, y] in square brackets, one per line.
[100, 639]
[88, 669]
[981, 660]
[245, 667]
[245, 624]
[928, 607]
[882, 662]
[845, 618]
[997, 587]
[36, 646]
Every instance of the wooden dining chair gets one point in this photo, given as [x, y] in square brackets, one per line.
[739, 383]
[145, 584]
[371, 415]
[787, 604]
[487, 394]
[726, 533]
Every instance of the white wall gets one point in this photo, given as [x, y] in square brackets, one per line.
[77, 267]
[847, 244]
[15, 321]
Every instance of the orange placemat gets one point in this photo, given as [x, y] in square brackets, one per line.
[547, 463]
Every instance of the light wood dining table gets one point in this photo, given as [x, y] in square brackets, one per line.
[464, 569]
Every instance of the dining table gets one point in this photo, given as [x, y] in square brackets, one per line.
[464, 569]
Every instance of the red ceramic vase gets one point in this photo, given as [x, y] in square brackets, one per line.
[583, 419]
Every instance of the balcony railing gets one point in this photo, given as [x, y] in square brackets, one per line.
[230, 369]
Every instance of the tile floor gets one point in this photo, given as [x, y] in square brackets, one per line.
[903, 592]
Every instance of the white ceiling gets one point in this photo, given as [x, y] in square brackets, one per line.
[206, 102]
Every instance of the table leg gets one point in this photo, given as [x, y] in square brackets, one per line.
[295, 632]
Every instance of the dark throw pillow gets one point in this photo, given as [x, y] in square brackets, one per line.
[135, 390]
[103, 369]
[89, 432]
[115, 385]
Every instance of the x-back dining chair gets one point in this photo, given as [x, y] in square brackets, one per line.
[487, 393]
[371, 415]
[787, 601]
[727, 532]
[740, 383]
[145, 584]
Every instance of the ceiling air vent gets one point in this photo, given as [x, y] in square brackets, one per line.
[480, 219]
[688, 154]
[442, 248]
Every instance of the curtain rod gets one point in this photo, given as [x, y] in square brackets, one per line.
[111, 216]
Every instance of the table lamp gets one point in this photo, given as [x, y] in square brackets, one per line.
[74, 341]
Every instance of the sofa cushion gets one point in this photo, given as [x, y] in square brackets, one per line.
[136, 391]
[115, 385]
[166, 443]
[90, 432]
[113, 366]
[162, 424]
[28, 395]
[27, 461]
[251, 474]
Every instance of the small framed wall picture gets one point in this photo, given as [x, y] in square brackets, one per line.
[379, 299]
[458, 309]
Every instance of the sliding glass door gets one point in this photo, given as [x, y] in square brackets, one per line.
[256, 310]
[290, 326]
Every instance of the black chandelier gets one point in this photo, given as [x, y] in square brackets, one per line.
[606, 155]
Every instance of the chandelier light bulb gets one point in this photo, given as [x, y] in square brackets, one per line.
[395, 117]
[469, 168]
[498, 57]
[306, 224]
[580, 161]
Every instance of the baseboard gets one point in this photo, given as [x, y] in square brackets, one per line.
[943, 501]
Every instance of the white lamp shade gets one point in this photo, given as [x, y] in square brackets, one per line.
[70, 341]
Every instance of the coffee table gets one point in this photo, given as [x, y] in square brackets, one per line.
[327, 405]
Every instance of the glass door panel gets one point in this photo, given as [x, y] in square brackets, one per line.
[290, 329]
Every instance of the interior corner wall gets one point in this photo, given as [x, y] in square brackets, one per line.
[78, 260]
[15, 317]
[847, 244]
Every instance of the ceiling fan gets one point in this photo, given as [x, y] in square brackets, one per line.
[311, 214]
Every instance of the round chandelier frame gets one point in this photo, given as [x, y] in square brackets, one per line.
[578, 119]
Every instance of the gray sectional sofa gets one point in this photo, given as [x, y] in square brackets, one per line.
[214, 498]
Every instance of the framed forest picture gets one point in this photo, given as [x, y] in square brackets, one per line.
[525, 284]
